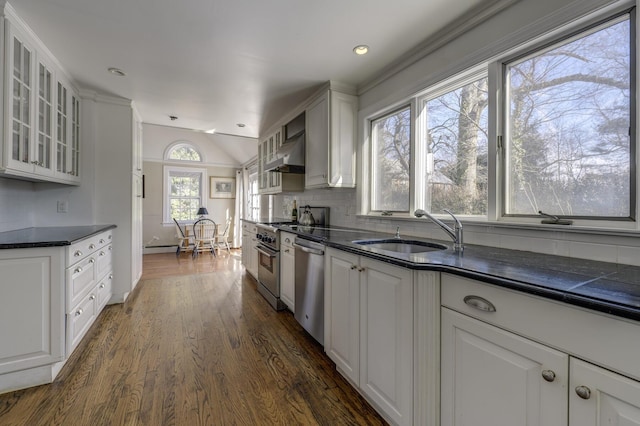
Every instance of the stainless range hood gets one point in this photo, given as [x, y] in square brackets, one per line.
[289, 158]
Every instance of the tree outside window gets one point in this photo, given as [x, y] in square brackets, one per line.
[569, 126]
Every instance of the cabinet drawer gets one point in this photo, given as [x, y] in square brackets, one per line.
[600, 338]
[79, 320]
[82, 249]
[104, 256]
[104, 291]
[286, 240]
[80, 280]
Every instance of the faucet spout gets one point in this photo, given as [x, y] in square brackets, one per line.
[455, 233]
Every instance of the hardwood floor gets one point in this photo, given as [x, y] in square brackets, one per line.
[194, 344]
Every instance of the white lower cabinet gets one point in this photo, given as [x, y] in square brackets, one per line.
[49, 298]
[494, 377]
[513, 359]
[369, 330]
[249, 254]
[599, 397]
[287, 270]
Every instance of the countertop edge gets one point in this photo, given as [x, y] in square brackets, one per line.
[60, 241]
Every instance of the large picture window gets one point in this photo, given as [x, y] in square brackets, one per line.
[568, 127]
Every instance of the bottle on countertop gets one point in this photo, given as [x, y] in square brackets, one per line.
[294, 212]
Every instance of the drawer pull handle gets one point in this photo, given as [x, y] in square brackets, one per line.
[92, 297]
[78, 270]
[479, 303]
[79, 312]
[78, 253]
[92, 246]
[548, 375]
[583, 392]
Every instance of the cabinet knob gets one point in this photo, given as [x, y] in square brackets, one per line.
[101, 253]
[353, 267]
[286, 251]
[583, 392]
[101, 285]
[110, 276]
[78, 270]
[101, 241]
[92, 297]
[361, 269]
[548, 375]
[92, 260]
[77, 253]
[92, 246]
[79, 312]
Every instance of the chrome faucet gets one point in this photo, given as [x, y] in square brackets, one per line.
[455, 233]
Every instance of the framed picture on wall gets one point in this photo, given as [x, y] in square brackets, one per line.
[222, 187]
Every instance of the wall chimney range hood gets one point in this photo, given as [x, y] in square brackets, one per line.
[289, 158]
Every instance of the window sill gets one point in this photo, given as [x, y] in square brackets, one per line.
[480, 222]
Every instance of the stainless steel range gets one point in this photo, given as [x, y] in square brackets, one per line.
[269, 264]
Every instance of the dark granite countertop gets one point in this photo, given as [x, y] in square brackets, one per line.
[52, 236]
[601, 286]
[269, 220]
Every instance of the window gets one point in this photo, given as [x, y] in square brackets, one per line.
[455, 136]
[568, 127]
[183, 152]
[391, 145]
[253, 197]
[184, 193]
[549, 127]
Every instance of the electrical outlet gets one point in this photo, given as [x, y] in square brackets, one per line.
[63, 206]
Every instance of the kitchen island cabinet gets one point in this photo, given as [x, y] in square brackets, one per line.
[249, 242]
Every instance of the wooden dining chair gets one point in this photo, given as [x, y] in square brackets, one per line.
[204, 236]
[183, 240]
[222, 238]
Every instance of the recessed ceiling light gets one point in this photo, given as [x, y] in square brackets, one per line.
[116, 71]
[241, 125]
[210, 131]
[361, 49]
[173, 117]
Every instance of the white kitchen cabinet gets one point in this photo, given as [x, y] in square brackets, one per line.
[601, 397]
[342, 312]
[249, 243]
[32, 304]
[330, 154]
[380, 340]
[275, 182]
[287, 270]
[494, 377]
[41, 137]
[49, 298]
[512, 358]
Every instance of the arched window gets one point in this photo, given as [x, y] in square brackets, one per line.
[182, 151]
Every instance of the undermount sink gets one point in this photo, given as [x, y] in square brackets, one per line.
[401, 246]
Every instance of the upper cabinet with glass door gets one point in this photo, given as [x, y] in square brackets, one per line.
[41, 138]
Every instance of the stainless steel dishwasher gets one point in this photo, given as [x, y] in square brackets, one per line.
[309, 286]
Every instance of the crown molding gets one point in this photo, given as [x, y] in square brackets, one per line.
[92, 95]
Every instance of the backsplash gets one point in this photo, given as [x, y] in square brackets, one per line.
[17, 201]
[624, 249]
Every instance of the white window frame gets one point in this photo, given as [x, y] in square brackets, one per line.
[167, 170]
[181, 143]
[493, 67]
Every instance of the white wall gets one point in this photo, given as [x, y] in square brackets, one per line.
[17, 201]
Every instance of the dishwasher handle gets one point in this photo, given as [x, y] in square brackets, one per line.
[309, 249]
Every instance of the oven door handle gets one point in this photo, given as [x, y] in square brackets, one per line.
[265, 253]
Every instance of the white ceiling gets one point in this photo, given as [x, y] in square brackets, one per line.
[215, 63]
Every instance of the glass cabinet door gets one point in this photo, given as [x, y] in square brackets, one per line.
[44, 134]
[61, 133]
[21, 105]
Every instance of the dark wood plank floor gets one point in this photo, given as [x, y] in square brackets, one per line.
[194, 344]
